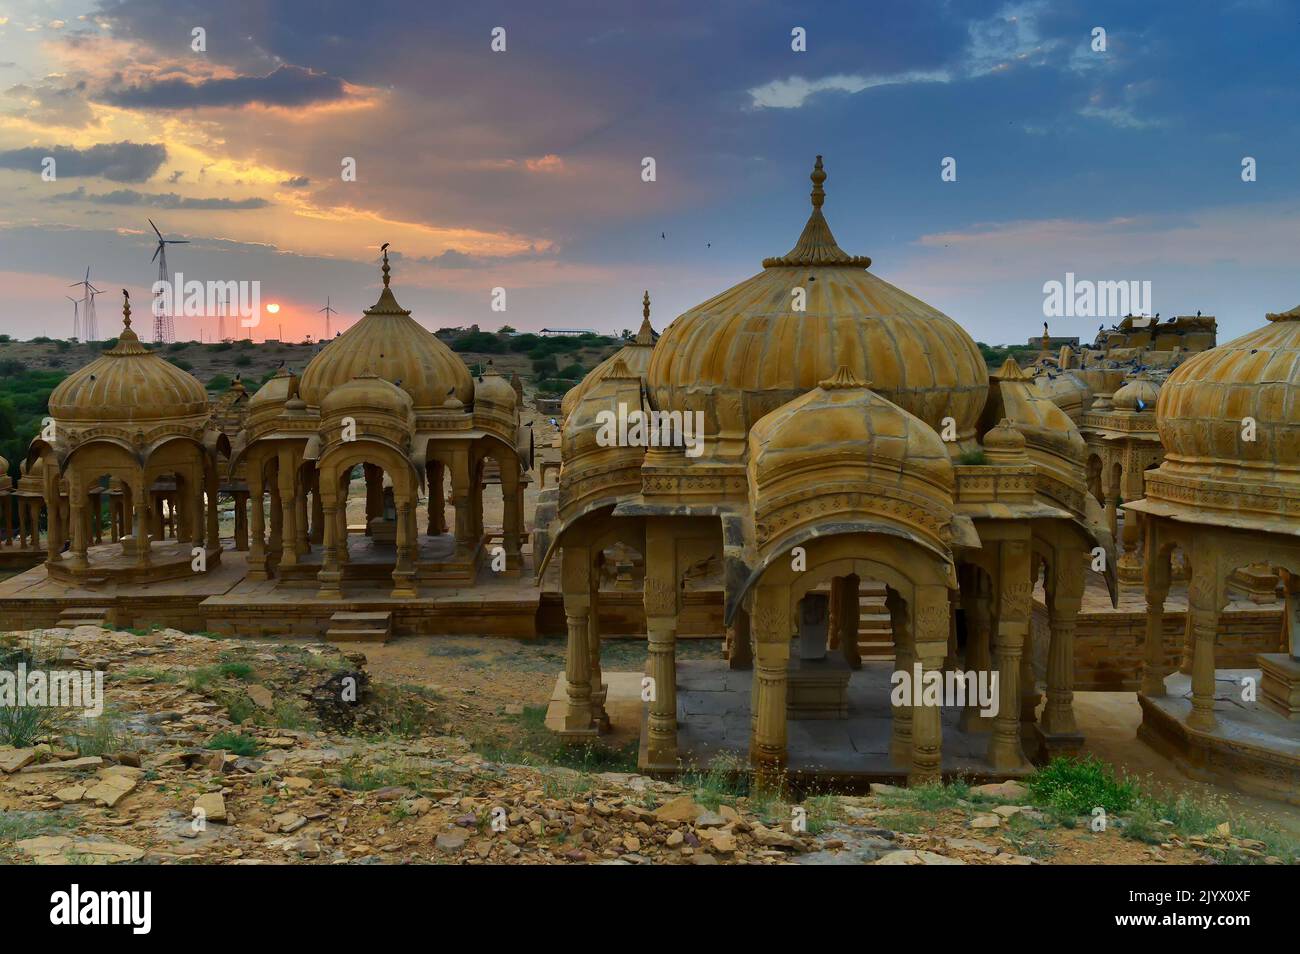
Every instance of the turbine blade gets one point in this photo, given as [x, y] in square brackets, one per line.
[155, 229]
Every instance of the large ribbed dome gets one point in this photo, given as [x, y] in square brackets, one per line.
[1204, 404]
[128, 383]
[747, 351]
[390, 343]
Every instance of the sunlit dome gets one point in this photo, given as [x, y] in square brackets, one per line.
[128, 383]
[747, 351]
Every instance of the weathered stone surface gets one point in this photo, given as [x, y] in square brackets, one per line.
[679, 809]
[64, 849]
[1010, 790]
[12, 760]
[212, 805]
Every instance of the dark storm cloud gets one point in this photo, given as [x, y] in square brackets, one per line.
[160, 200]
[286, 86]
[118, 161]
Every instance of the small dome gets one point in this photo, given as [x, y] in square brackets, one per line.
[1005, 445]
[753, 348]
[278, 388]
[841, 453]
[396, 347]
[494, 389]
[1138, 394]
[367, 392]
[128, 383]
[635, 355]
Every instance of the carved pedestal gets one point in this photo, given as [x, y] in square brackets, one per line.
[1279, 690]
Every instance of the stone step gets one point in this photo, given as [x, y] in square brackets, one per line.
[73, 616]
[360, 627]
[337, 635]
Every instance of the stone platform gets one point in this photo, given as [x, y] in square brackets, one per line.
[1251, 750]
[224, 600]
[1110, 643]
[713, 715]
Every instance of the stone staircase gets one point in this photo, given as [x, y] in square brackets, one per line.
[875, 632]
[373, 627]
[72, 616]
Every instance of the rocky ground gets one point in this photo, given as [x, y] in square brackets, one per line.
[225, 751]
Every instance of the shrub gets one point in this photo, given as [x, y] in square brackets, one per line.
[1078, 786]
[243, 361]
[235, 743]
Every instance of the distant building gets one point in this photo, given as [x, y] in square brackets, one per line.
[1055, 342]
[566, 332]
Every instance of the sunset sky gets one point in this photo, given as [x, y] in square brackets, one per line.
[523, 169]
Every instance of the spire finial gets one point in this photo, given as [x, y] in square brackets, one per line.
[384, 249]
[126, 308]
[646, 334]
[818, 177]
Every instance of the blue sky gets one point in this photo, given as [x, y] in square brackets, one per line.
[521, 169]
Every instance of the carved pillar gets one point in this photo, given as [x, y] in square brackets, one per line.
[512, 514]
[213, 534]
[1064, 600]
[599, 691]
[460, 497]
[662, 600]
[257, 516]
[575, 578]
[330, 576]
[1205, 597]
[848, 618]
[978, 611]
[77, 518]
[287, 483]
[1158, 571]
[140, 522]
[241, 520]
[403, 570]
[930, 616]
[374, 477]
[771, 627]
[1011, 625]
[900, 730]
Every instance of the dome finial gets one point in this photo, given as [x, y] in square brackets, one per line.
[126, 308]
[818, 178]
[646, 334]
[384, 249]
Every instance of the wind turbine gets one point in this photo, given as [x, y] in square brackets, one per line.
[76, 327]
[88, 291]
[163, 327]
[328, 311]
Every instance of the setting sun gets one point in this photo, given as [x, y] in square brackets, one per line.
[273, 308]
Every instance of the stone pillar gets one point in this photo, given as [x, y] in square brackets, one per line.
[140, 523]
[77, 511]
[317, 535]
[1158, 574]
[213, 535]
[1205, 598]
[1064, 600]
[404, 570]
[900, 730]
[930, 616]
[287, 483]
[848, 619]
[1011, 625]
[437, 505]
[575, 576]
[460, 497]
[599, 691]
[342, 538]
[275, 508]
[512, 517]
[979, 637]
[330, 576]
[741, 654]
[241, 520]
[374, 477]
[771, 625]
[662, 601]
[257, 516]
